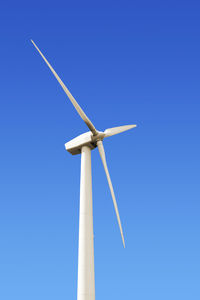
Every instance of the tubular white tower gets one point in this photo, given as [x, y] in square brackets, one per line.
[86, 283]
[83, 144]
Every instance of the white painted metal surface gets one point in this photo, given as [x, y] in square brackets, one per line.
[83, 144]
[75, 145]
[103, 158]
[86, 283]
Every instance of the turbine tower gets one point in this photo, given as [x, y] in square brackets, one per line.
[83, 144]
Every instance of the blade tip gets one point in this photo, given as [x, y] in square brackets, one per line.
[33, 43]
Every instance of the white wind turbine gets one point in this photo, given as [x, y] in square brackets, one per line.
[83, 144]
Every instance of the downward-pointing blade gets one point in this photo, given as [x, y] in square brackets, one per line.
[103, 158]
[116, 130]
[71, 98]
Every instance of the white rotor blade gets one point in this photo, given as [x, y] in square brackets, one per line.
[116, 130]
[71, 98]
[103, 158]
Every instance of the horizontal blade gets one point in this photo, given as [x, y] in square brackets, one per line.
[103, 158]
[71, 98]
[116, 130]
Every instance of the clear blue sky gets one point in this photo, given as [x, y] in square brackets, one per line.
[125, 62]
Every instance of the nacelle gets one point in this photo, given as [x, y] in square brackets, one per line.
[86, 139]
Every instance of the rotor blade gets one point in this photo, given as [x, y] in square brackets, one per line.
[103, 158]
[71, 98]
[116, 130]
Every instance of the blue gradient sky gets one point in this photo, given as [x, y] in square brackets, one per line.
[125, 62]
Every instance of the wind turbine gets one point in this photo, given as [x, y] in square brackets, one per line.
[83, 144]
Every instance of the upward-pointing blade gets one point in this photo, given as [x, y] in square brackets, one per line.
[103, 158]
[71, 98]
[116, 130]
